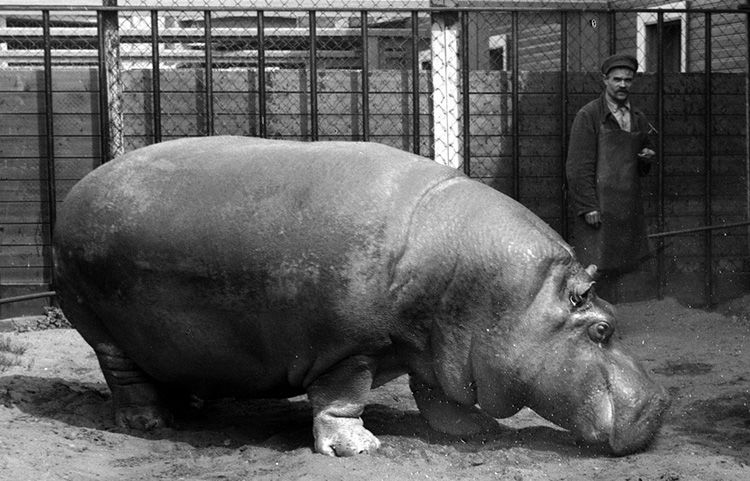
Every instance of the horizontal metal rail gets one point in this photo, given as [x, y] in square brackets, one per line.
[699, 229]
[172, 33]
[27, 297]
[247, 56]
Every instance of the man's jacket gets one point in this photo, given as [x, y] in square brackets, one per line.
[603, 171]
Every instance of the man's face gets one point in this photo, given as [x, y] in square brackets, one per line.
[617, 83]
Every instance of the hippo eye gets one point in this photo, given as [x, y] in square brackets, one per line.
[600, 331]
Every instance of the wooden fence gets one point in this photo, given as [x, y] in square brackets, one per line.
[535, 173]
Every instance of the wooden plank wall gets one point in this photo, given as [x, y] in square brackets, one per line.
[25, 257]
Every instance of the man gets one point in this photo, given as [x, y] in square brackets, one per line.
[609, 150]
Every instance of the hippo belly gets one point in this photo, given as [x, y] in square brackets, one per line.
[241, 266]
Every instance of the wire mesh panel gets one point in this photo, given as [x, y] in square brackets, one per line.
[488, 89]
[515, 108]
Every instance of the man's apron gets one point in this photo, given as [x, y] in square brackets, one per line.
[619, 243]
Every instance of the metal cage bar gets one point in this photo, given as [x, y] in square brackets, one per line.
[466, 111]
[313, 76]
[708, 87]
[104, 127]
[514, 94]
[262, 112]
[209, 79]
[746, 8]
[155, 77]
[50, 129]
[660, 280]
[365, 80]
[563, 122]
[415, 81]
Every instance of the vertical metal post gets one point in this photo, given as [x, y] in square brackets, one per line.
[612, 32]
[313, 76]
[209, 73]
[445, 72]
[50, 134]
[746, 8]
[564, 122]
[261, 76]
[660, 278]
[104, 133]
[707, 147]
[110, 83]
[466, 114]
[155, 76]
[415, 81]
[365, 81]
[515, 98]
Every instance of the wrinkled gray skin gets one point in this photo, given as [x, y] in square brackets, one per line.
[246, 267]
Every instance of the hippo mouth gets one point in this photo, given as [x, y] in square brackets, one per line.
[635, 431]
[626, 416]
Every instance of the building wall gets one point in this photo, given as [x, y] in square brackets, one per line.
[728, 33]
[590, 33]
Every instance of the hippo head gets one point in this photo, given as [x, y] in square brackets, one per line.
[558, 355]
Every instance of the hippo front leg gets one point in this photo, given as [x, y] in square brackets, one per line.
[338, 399]
[447, 416]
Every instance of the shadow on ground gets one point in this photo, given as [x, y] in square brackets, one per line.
[282, 425]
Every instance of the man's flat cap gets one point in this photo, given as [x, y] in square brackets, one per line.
[620, 60]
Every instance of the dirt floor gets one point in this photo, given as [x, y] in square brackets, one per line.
[56, 423]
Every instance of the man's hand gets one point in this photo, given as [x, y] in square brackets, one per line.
[646, 154]
[593, 218]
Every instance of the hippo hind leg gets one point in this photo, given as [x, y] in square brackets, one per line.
[135, 398]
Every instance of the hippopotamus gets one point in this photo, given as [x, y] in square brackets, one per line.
[244, 267]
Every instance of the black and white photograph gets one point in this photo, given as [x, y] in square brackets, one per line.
[375, 240]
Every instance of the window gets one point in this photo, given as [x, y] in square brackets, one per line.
[498, 52]
[671, 33]
[674, 39]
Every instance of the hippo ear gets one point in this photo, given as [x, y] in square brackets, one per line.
[591, 271]
[580, 292]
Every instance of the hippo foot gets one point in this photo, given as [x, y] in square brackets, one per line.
[142, 418]
[336, 436]
[338, 398]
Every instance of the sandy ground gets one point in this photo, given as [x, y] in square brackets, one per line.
[55, 420]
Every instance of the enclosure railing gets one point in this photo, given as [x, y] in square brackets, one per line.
[462, 78]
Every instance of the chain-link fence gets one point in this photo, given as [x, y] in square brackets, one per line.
[489, 89]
